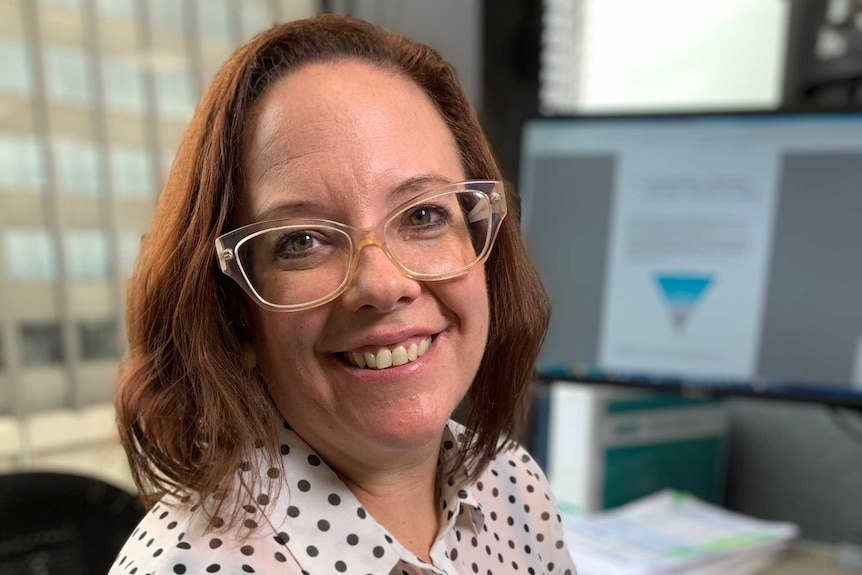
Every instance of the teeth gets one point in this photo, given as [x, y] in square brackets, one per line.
[399, 355]
[385, 357]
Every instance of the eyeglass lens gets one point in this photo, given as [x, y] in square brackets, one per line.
[293, 265]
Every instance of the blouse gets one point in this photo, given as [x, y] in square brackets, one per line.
[505, 522]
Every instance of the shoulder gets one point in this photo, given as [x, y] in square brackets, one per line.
[177, 538]
[518, 502]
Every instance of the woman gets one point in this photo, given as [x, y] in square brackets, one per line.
[291, 409]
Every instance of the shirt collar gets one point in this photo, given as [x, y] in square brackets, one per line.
[318, 519]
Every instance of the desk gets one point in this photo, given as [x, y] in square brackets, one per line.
[805, 558]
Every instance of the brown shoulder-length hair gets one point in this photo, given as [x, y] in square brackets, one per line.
[187, 408]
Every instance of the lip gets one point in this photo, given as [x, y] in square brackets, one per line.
[372, 341]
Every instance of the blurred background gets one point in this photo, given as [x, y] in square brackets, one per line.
[95, 96]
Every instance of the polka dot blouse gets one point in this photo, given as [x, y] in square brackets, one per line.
[506, 522]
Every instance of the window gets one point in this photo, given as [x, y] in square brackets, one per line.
[77, 167]
[30, 255]
[15, 78]
[255, 18]
[175, 94]
[87, 254]
[167, 15]
[41, 344]
[124, 86]
[21, 163]
[122, 9]
[68, 75]
[132, 172]
[130, 244]
[98, 339]
[214, 22]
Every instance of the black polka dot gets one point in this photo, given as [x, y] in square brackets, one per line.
[545, 516]
[285, 449]
[246, 550]
[311, 550]
[279, 556]
[179, 568]
[214, 568]
[313, 460]
[249, 508]
[551, 566]
[304, 485]
[158, 552]
[172, 524]
[282, 538]
[559, 544]
[323, 525]
[248, 568]
[163, 515]
[215, 543]
[250, 524]
[454, 554]
[340, 566]
[293, 511]
[388, 538]
[361, 513]
[183, 545]
[273, 473]
[334, 499]
[352, 539]
[475, 568]
[378, 551]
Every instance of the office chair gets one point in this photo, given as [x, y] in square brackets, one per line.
[63, 524]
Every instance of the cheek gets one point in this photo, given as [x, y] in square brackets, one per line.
[284, 342]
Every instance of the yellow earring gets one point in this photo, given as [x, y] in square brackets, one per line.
[249, 357]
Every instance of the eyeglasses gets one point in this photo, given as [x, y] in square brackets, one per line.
[297, 264]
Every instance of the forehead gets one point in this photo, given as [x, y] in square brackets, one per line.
[342, 135]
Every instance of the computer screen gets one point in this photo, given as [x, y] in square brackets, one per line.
[719, 251]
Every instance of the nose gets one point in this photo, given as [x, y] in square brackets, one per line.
[377, 284]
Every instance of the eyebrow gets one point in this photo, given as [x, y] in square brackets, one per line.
[306, 208]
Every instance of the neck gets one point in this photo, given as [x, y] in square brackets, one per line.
[403, 501]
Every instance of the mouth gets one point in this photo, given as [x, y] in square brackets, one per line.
[385, 357]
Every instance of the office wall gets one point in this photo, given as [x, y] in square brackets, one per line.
[788, 461]
[452, 27]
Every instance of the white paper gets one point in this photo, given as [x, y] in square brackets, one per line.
[670, 532]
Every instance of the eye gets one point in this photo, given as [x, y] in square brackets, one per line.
[427, 215]
[296, 244]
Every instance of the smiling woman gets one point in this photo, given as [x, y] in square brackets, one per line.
[286, 400]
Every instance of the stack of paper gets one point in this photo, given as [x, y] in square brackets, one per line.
[673, 532]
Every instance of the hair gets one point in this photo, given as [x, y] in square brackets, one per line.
[187, 407]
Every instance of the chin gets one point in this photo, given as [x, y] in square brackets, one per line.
[411, 427]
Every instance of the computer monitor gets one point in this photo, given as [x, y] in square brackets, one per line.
[718, 251]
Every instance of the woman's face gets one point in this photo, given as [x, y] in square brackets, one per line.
[343, 141]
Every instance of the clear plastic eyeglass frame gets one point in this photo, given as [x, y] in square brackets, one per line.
[228, 245]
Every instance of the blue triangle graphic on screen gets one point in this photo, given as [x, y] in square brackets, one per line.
[682, 293]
